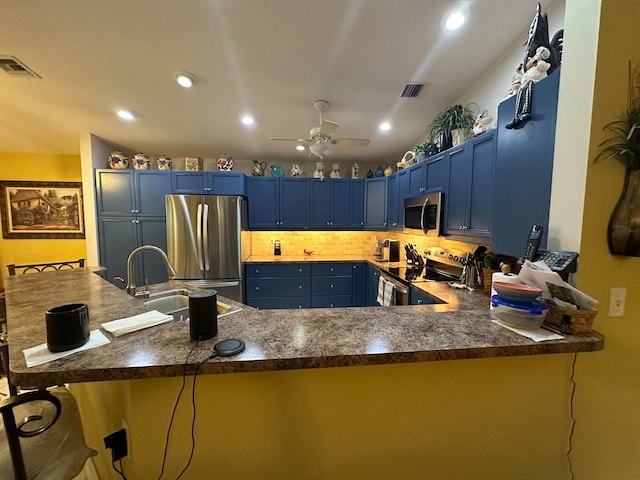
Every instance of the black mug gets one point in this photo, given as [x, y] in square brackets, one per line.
[203, 314]
[67, 327]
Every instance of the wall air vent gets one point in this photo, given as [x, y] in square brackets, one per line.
[13, 66]
[412, 90]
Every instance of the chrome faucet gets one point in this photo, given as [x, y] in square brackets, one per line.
[131, 286]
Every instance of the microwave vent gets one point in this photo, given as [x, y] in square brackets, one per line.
[13, 66]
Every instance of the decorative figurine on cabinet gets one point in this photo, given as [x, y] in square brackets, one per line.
[118, 160]
[319, 171]
[164, 163]
[355, 170]
[141, 162]
[225, 163]
[296, 170]
[258, 168]
[277, 171]
[335, 170]
[388, 171]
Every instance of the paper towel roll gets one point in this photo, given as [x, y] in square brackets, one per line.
[502, 277]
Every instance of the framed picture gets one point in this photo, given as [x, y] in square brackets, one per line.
[41, 209]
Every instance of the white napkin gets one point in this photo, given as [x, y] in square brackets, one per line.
[535, 334]
[389, 294]
[381, 284]
[41, 354]
[137, 322]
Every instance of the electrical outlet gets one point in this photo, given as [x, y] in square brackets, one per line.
[117, 442]
[617, 298]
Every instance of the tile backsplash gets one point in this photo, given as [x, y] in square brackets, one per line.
[343, 242]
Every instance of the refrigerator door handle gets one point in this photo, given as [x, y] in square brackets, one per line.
[199, 237]
[205, 235]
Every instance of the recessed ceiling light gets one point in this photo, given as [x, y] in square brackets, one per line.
[126, 114]
[385, 127]
[248, 120]
[185, 80]
[455, 20]
[300, 148]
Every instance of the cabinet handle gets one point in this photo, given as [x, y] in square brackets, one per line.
[257, 288]
[300, 270]
[419, 302]
[332, 269]
[331, 286]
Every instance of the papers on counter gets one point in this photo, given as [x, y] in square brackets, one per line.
[535, 334]
[135, 323]
[40, 354]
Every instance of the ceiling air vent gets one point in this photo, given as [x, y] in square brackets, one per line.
[13, 66]
[412, 90]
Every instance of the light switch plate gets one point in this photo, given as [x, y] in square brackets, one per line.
[617, 298]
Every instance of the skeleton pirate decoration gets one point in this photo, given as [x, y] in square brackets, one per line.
[541, 58]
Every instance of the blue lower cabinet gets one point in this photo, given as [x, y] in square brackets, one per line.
[373, 277]
[359, 284]
[273, 285]
[418, 297]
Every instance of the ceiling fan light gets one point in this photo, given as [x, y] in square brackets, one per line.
[185, 80]
[300, 148]
[320, 149]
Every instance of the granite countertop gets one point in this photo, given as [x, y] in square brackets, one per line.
[275, 339]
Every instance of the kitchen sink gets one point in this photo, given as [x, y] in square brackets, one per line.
[175, 302]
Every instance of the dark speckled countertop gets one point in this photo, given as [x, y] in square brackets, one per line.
[275, 339]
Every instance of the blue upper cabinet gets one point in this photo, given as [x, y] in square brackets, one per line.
[131, 192]
[375, 216]
[278, 203]
[330, 203]
[523, 170]
[469, 199]
[208, 183]
[356, 204]
[437, 172]
[417, 179]
[393, 200]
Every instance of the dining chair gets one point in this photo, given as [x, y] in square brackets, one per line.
[48, 440]
[44, 267]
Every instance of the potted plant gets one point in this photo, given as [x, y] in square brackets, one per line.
[425, 149]
[623, 145]
[451, 126]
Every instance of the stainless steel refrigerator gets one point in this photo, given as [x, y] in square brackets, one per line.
[208, 241]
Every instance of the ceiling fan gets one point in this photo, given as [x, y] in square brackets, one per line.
[321, 141]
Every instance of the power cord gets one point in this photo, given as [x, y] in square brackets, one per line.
[119, 472]
[573, 420]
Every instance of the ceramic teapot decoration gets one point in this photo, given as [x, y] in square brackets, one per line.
[225, 163]
[355, 170]
[164, 163]
[335, 170]
[258, 168]
[118, 160]
[319, 171]
[277, 171]
[296, 170]
[379, 172]
[141, 162]
[388, 171]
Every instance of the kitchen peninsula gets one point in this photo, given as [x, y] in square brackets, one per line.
[282, 411]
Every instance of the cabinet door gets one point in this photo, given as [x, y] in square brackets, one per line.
[481, 162]
[372, 286]
[376, 203]
[294, 203]
[393, 217]
[189, 182]
[150, 187]
[320, 204]
[417, 179]
[437, 172]
[226, 183]
[117, 240]
[339, 195]
[264, 203]
[359, 284]
[417, 297]
[151, 231]
[356, 204]
[457, 200]
[115, 192]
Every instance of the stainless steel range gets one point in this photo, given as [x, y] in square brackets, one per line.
[440, 265]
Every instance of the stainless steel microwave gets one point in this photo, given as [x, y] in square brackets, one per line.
[422, 215]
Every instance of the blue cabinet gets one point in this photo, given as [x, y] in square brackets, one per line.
[437, 172]
[393, 200]
[330, 203]
[208, 183]
[418, 297]
[469, 196]
[278, 285]
[523, 170]
[331, 285]
[373, 278]
[356, 204]
[131, 212]
[278, 203]
[375, 217]
[417, 179]
[359, 284]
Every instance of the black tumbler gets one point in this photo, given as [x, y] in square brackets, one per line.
[203, 314]
[67, 327]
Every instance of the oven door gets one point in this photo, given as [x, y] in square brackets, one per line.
[400, 290]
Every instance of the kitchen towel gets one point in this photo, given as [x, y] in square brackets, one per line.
[381, 284]
[135, 323]
[40, 354]
[389, 294]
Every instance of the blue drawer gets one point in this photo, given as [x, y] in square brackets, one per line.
[269, 303]
[278, 287]
[331, 269]
[331, 301]
[261, 270]
[331, 285]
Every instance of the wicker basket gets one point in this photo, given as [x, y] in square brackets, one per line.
[580, 321]
[487, 279]
[406, 164]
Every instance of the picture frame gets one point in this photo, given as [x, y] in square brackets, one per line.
[40, 210]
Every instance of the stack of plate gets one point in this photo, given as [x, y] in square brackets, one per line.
[516, 305]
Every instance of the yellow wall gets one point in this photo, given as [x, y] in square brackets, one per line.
[30, 167]
[607, 440]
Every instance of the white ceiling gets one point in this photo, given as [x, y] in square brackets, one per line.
[271, 58]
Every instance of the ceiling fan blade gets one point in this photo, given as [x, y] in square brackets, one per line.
[327, 127]
[358, 142]
[299, 140]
